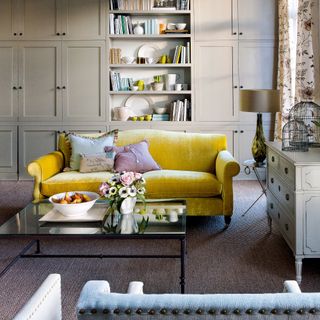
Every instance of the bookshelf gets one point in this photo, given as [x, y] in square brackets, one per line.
[157, 43]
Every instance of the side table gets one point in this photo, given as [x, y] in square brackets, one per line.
[252, 165]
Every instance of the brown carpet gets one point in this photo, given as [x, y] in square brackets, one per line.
[244, 258]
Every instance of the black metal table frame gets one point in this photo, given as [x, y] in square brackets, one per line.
[38, 254]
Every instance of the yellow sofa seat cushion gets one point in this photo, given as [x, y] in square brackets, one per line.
[75, 181]
[181, 184]
[159, 184]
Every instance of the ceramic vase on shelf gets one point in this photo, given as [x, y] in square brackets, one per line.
[138, 29]
[127, 223]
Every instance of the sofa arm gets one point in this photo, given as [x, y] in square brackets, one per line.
[226, 168]
[44, 168]
[45, 302]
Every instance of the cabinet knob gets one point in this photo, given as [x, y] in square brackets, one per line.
[234, 33]
[64, 87]
[287, 197]
[20, 87]
[240, 33]
[241, 87]
[58, 87]
[235, 131]
[272, 180]
[15, 34]
[58, 33]
[20, 34]
[241, 131]
[286, 170]
[63, 33]
[235, 87]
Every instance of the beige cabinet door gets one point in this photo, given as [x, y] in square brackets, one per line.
[39, 77]
[83, 19]
[35, 141]
[215, 19]
[8, 81]
[8, 149]
[257, 19]
[40, 19]
[7, 20]
[83, 80]
[216, 93]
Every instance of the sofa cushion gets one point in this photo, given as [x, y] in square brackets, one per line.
[159, 184]
[181, 184]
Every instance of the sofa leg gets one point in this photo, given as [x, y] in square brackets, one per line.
[227, 221]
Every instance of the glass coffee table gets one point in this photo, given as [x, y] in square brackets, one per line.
[167, 221]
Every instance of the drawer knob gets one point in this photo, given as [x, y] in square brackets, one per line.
[286, 226]
[272, 158]
[272, 180]
[286, 170]
[287, 197]
[271, 205]
[278, 215]
[279, 188]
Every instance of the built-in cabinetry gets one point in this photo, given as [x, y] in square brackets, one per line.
[293, 194]
[55, 70]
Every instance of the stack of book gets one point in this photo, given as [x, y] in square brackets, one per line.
[115, 56]
[120, 24]
[182, 54]
[131, 4]
[161, 117]
[180, 110]
[118, 83]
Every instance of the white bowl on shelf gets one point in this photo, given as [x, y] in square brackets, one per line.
[128, 60]
[160, 110]
[181, 26]
[74, 209]
[171, 26]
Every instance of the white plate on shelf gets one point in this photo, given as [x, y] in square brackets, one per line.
[148, 51]
[140, 105]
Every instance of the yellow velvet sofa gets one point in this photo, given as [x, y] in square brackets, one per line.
[196, 167]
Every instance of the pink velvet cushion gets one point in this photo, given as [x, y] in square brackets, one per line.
[133, 157]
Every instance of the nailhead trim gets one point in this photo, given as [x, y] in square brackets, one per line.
[212, 311]
[175, 311]
[139, 311]
[262, 311]
[105, 311]
[199, 311]
[82, 311]
[93, 311]
[287, 311]
[224, 311]
[116, 311]
[163, 311]
[249, 311]
[301, 311]
[313, 311]
[128, 311]
[187, 311]
[274, 311]
[152, 312]
[236, 311]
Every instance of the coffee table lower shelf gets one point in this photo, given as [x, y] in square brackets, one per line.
[37, 254]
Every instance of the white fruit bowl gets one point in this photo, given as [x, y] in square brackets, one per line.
[74, 209]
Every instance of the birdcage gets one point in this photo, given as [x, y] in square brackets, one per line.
[295, 136]
[308, 113]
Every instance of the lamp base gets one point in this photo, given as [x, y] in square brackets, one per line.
[258, 149]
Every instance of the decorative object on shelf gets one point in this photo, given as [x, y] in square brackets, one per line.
[171, 26]
[140, 84]
[127, 60]
[162, 28]
[122, 113]
[138, 29]
[122, 191]
[148, 51]
[160, 110]
[151, 60]
[158, 84]
[259, 101]
[139, 104]
[170, 80]
[308, 113]
[115, 56]
[181, 26]
[295, 136]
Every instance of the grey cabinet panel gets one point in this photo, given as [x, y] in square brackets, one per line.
[6, 19]
[83, 19]
[41, 19]
[8, 149]
[216, 69]
[39, 74]
[33, 143]
[8, 81]
[83, 77]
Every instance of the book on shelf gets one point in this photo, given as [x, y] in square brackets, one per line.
[118, 83]
[161, 117]
[182, 54]
[180, 110]
[131, 4]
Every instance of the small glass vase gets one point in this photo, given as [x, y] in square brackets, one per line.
[127, 223]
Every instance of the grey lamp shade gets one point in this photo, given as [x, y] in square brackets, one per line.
[260, 100]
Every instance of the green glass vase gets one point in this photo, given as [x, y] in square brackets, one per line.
[258, 148]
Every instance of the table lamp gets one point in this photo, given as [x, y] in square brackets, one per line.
[259, 101]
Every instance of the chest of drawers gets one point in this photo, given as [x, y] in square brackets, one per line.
[293, 200]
